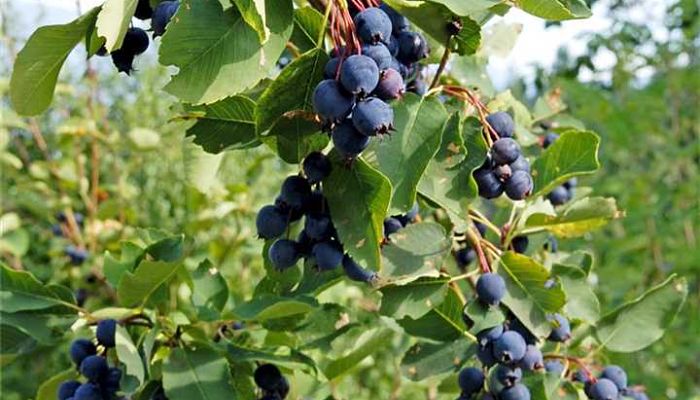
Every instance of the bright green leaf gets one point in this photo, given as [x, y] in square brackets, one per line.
[265, 307]
[415, 251]
[135, 288]
[129, 356]
[425, 359]
[225, 124]
[576, 218]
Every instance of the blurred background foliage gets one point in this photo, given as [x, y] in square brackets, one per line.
[116, 131]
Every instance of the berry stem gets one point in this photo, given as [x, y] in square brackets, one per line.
[322, 33]
[574, 360]
[443, 63]
[475, 240]
[477, 216]
[464, 276]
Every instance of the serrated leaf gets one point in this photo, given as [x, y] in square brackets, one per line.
[424, 359]
[48, 389]
[209, 291]
[577, 218]
[135, 288]
[367, 344]
[528, 294]
[253, 12]
[308, 24]
[113, 21]
[211, 45]
[417, 250]
[418, 123]
[581, 301]
[296, 137]
[640, 322]
[21, 291]
[443, 323]
[129, 356]
[414, 299]
[483, 317]
[358, 197]
[555, 10]
[574, 153]
[197, 374]
[225, 124]
[37, 65]
[266, 307]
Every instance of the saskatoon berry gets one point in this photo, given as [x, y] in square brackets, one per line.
[519, 186]
[580, 376]
[316, 167]
[391, 225]
[510, 347]
[412, 47]
[558, 196]
[328, 255]
[532, 359]
[390, 85]
[399, 23]
[520, 164]
[465, 257]
[571, 183]
[502, 123]
[503, 172]
[517, 326]
[561, 332]
[267, 377]
[81, 349]
[304, 243]
[373, 25]
[508, 376]
[485, 355]
[519, 244]
[105, 332]
[488, 183]
[379, 53]
[271, 222]
[412, 213]
[615, 374]
[489, 335]
[549, 138]
[634, 394]
[554, 367]
[393, 46]
[517, 392]
[480, 227]
[123, 61]
[112, 380]
[143, 10]
[135, 41]
[331, 102]
[88, 391]
[94, 368]
[330, 71]
[603, 389]
[316, 204]
[162, 15]
[490, 288]
[355, 272]
[80, 297]
[77, 256]
[348, 140]
[67, 389]
[295, 191]
[317, 226]
[283, 254]
[471, 380]
[373, 116]
[505, 151]
[359, 75]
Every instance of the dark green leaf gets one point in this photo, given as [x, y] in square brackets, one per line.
[225, 124]
[415, 251]
[414, 299]
[21, 291]
[282, 357]
[296, 137]
[443, 323]
[424, 359]
[484, 317]
[135, 288]
[308, 24]
[197, 374]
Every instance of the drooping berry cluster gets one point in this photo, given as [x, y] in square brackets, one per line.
[505, 168]
[270, 380]
[101, 380]
[565, 192]
[318, 241]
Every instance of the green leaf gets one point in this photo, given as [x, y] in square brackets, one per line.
[199, 373]
[282, 357]
[209, 291]
[639, 323]
[528, 295]
[46, 328]
[414, 299]
[295, 138]
[358, 196]
[211, 46]
[417, 250]
[574, 153]
[443, 323]
[576, 218]
[308, 24]
[581, 301]
[266, 307]
[292, 91]
[367, 344]
[483, 317]
[37, 65]
[555, 10]
[21, 291]
[467, 7]
[225, 124]
[253, 12]
[129, 356]
[48, 389]
[418, 123]
[113, 21]
[135, 288]
[425, 359]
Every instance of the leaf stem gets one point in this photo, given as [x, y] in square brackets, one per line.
[322, 33]
[475, 239]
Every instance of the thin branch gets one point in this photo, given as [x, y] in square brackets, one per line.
[443, 63]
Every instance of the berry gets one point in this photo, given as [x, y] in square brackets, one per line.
[359, 75]
[355, 272]
[105, 332]
[505, 151]
[520, 164]
[391, 225]
[330, 71]
[532, 359]
[634, 394]
[283, 254]
[271, 222]
[135, 41]
[390, 85]
[348, 140]
[503, 172]
[549, 138]
[67, 389]
[267, 377]
[470, 380]
[489, 335]
[379, 53]
[295, 191]
[508, 376]
[143, 10]
[517, 326]
[331, 102]
[558, 196]
[615, 374]
[465, 256]
[80, 297]
[580, 376]
[162, 15]
[490, 288]
[488, 183]
[554, 367]
[316, 167]
[94, 368]
[517, 392]
[123, 61]
[603, 389]
[328, 255]
[77, 256]
[413, 212]
[317, 226]
[88, 391]
[412, 47]
[417, 86]
[399, 23]
[571, 183]
[510, 347]
[373, 25]
[562, 331]
[373, 116]
[485, 355]
[519, 244]
[519, 186]
[112, 380]
[502, 123]
[81, 349]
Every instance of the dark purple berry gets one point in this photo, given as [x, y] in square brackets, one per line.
[412, 47]
[316, 167]
[373, 25]
[520, 164]
[67, 389]
[519, 186]
[509, 348]
[318, 226]
[348, 140]
[532, 359]
[490, 288]
[359, 75]
[267, 377]
[489, 335]
[328, 255]
[373, 116]
[88, 391]
[502, 123]
[135, 41]
[488, 183]
[465, 256]
[105, 332]
[295, 191]
[390, 86]
[505, 151]
[554, 367]
[470, 380]
[331, 102]
[519, 244]
[508, 376]
[517, 392]
[143, 10]
[379, 53]
[355, 272]
[604, 389]
[399, 23]
[391, 225]
[94, 368]
[562, 331]
[283, 254]
[164, 12]
[271, 222]
[330, 71]
[615, 374]
[558, 196]
[80, 349]
[549, 138]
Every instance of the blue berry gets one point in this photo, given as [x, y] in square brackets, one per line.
[330, 71]
[517, 326]
[391, 225]
[80, 349]
[571, 183]
[316, 167]
[348, 140]
[465, 256]
[390, 86]
[549, 138]
[615, 374]
[328, 255]
[267, 377]
[162, 15]
[603, 389]
[510, 347]
[105, 332]
[471, 380]
[399, 23]
[295, 191]
[508, 376]
[88, 391]
[558, 196]
[373, 25]
[283, 254]
[488, 183]
[532, 359]
[135, 41]
[412, 47]
[143, 10]
[516, 392]
[271, 222]
[94, 368]
[490, 288]
[519, 186]
[355, 272]
[580, 376]
[77, 256]
[489, 335]
[379, 53]
[359, 75]
[505, 151]
[485, 355]
[502, 123]
[562, 331]
[373, 116]
[331, 102]
[520, 164]
[519, 244]
[318, 226]
[554, 367]
[67, 389]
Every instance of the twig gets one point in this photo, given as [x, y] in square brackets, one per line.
[443, 63]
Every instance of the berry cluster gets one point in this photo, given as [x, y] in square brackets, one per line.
[505, 168]
[102, 381]
[136, 39]
[352, 98]
[271, 381]
[318, 241]
[610, 385]
[563, 193]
